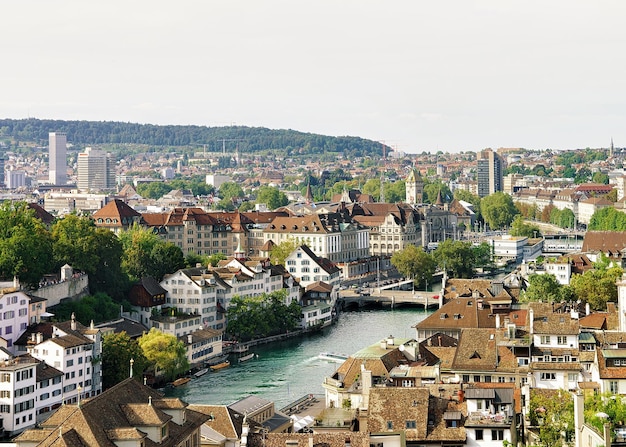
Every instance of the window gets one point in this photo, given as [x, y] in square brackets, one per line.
[545, 339]
[548, 376]
[479, 434]
[613, 388]
[561, 340]
[411, 424]
[389, 425]
[497, 435]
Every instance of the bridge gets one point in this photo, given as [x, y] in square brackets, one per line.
[388, 298]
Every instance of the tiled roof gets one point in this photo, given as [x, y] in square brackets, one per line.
[112, 416]
[613, 242]
[476, 351]
[457, 314]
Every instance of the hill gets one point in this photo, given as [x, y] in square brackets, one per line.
[249, 139]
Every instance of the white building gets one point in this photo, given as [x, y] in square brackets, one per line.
[96, 170]
[74, 350]
[18, 393]
[57, 171]
[216, 180]
[15, 179]
[13, 317]
[508, 247]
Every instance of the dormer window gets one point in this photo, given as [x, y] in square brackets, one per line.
[164, 431]
[443, 316]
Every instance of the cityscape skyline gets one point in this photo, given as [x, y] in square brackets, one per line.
[420, 76]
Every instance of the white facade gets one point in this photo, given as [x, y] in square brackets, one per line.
[96, 170]
[15, 179]
[13, 317]
[508, 247]
[18, 393]
[75, 351]
[216, 180]
[57, 171]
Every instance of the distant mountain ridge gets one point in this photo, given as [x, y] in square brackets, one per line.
[248, 139]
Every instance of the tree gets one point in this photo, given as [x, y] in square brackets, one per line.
[153, 190]
[413, 262]
[608, 219]
[279, 252]
[456, 258]
[498, 210]
[600, 177]
[272, 197]
[145, 254]
[596, 287]
[553, 412]
[545, 288]
[431, 191]
[229, 190]
[520, 228]
[96, 251]
[165, 353]
[97, 308]
[262, 315]
[117, 351]
[25, 244]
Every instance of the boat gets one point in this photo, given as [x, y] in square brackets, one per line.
[181, 381]
[201, 372]
[246, 357]
[216, 360]
[220, 366]
[332, 357]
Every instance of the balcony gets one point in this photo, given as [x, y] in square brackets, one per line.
[478, 418]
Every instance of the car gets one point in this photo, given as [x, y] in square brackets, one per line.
[365, 293]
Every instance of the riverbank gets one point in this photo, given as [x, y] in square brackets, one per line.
[288, 369]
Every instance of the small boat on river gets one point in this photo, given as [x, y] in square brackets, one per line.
[181, 381]
[246, 357]
[219, 366]
[332, 357]
[201, 372]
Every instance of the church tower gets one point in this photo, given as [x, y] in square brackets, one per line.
[414, 188]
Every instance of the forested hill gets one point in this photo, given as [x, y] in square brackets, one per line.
[249, 139]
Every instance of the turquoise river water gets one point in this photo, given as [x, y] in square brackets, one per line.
[288, 370]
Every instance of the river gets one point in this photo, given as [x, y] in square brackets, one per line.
[288, 370]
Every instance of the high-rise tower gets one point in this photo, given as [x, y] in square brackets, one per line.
[490, 168]
[96, 170]
[57, 165]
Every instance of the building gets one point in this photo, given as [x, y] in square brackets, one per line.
[490, 168]
[14, 179]
[414, 188]
[96, 170]
[73, 349]
[57, 170]
[128, 414]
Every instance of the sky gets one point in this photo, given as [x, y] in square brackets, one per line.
[456, 75]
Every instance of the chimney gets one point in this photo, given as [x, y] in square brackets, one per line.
[73, 323]
[531, 319]
[579, 418]
[39, 337]
[497, 321]
[189, 339]
[390, 340]
[587, 309]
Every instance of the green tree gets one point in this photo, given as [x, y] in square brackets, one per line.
[413, 262]
[596, 287]
[608, 219]
[519, 227]
[553, 412]
[498, 210]
[456, 258]
[96, 251]
[97, 308]
[272, 197]
[145, 254]
[25, 244]
[600, 177]
[432, 189]
[165, 353]
[279, 252]
[262, 315]
[545, 288]
[395, 192]
[153, 190]
[230, 190]
[117, 351]
[482, 255]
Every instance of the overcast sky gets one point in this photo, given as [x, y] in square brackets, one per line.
[418, 75]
